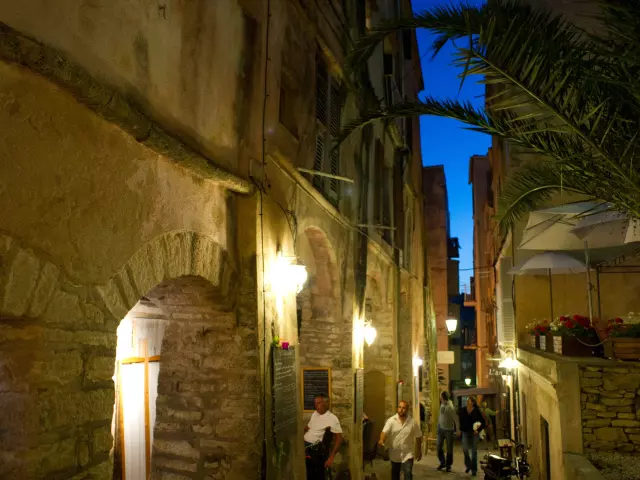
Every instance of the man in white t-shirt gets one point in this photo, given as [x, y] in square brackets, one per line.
[405, 442]
[317, 459]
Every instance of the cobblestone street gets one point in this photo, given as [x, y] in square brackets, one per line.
[426, 468]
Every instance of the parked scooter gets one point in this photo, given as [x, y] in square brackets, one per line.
[496, 467]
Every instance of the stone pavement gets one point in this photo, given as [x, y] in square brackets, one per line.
[425, 469]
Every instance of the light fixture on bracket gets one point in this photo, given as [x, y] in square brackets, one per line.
[508, 362]
[417, 363]
[287, 275]
[369, 333]
[452, 325]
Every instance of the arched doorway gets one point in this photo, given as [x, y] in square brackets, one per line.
[374, 401]
[324, 341]
[182, 346]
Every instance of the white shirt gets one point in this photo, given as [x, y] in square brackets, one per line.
[317, 425]
[400, 438]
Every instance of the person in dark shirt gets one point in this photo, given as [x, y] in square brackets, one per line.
[470, 416]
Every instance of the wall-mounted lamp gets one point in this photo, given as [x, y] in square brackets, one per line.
[467, 381]
[508, 362]
[452, 325]
[287, 275]
[370, 333]
[417, 363]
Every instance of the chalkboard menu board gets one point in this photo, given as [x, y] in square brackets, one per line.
[314, 382]
[285, 404]
[359, 395]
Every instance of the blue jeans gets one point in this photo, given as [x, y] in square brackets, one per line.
[442, 436]
[470, 442]
[405, 467]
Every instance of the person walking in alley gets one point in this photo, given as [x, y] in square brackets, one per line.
[405, 442]
[321, 420]
[447, 425]
[471, 424]
[490, 419]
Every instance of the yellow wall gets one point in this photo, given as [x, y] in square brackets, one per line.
[619, 295]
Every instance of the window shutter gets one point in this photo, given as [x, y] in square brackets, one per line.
[321, 92]
[506, 317]
[334, 130]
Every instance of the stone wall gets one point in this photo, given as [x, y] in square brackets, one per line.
[610, 400]
[57, 353]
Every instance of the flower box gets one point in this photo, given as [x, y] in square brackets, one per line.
[626, 348]
[542, 343]
[570, 346]
[549, 343]
[534, 341]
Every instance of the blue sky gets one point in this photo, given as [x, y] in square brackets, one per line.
[445, 142]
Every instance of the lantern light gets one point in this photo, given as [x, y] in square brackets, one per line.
[370, 333]
[452, 324]
[287, 275]
[508, 363]
[467, 381]
[417, 363]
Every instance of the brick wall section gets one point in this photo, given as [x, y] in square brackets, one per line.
[208, 406]
[610, 408]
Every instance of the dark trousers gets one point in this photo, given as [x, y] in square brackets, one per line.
[404, 467]
[470, 449]
[442, 436]
[315, 459]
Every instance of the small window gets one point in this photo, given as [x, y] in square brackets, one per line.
[288, 108]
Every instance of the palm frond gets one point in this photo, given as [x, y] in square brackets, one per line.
[451, 22]
[530, 186]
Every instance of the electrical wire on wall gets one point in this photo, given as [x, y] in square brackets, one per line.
[261, 193]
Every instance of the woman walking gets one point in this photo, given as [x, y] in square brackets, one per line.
[471, 424]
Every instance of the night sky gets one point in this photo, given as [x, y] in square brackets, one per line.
[446, 142]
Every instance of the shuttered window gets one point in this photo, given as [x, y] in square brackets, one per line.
[329, 101]
[506, 319]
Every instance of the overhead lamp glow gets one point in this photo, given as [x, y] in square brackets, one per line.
[452, 324]
[467, 381]
[287, 275]
[370, 333]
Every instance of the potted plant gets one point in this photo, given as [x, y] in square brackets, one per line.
[625, 337]
[574, 336]
[537, 334]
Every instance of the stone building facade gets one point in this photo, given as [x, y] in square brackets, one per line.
[154, 164]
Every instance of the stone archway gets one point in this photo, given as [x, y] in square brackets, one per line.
[324, 341]
[57, 355]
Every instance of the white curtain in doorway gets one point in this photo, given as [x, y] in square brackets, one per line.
[133, 408]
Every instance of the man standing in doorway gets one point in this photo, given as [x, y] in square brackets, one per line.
[321, 420]
[447, 425]
[405, 442]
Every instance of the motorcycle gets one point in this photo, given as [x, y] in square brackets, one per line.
[496, 467]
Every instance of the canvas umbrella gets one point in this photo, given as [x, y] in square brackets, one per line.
[549, 263]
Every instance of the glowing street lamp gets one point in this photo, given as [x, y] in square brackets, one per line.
[370, 333]
[287, 275]
[452, 325]
[417, 363]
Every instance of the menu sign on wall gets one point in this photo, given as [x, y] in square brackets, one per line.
[314, 382]
[285, 405]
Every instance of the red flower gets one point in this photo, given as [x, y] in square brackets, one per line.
[618, 320]
[569, 324]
